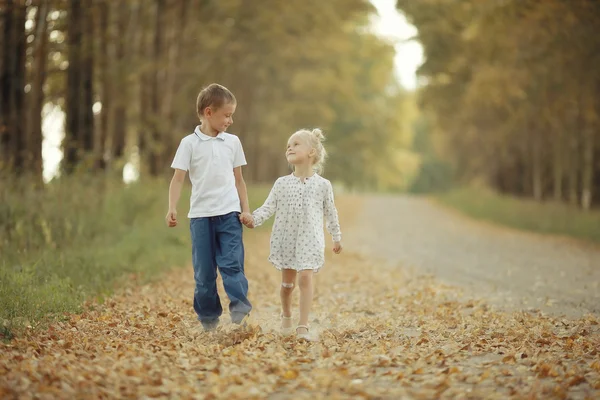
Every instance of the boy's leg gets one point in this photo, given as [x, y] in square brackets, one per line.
[230, 259]
[207, 303]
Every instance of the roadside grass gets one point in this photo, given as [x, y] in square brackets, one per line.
[547, 218]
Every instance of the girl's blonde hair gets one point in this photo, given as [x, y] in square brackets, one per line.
[315, 140]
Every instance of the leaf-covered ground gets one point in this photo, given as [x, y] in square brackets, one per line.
[380, 333]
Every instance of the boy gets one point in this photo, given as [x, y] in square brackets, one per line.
[218, 206]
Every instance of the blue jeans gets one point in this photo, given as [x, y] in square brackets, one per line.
[217, 242]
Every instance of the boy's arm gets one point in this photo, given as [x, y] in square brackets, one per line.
[240, 185]
[174, 194]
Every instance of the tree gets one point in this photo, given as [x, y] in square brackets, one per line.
[39, 72]
[513, 90]
[12, 84]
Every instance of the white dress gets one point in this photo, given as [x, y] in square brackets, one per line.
[297, 239]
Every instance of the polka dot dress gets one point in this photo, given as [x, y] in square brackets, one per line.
[297, 239]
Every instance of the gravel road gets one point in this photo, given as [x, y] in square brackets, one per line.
[508, 268]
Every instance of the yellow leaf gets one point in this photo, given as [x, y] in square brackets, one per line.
[290, 374]
[509, 359]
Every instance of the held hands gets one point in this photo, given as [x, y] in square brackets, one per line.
[171, 218]
[247, 219]
[337, 247]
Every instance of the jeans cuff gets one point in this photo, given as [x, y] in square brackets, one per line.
[237, 317]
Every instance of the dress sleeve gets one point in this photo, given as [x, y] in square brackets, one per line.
[267, 210]
[331, 215]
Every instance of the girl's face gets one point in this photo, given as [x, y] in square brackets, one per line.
[299, 150]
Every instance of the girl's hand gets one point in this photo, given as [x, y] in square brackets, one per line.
[247, 219]
[337, 247]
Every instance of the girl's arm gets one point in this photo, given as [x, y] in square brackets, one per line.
[331, 216]
[267, 210]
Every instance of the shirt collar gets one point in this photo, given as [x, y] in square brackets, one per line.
[204, 137]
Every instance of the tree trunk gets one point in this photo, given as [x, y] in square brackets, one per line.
[558, 166]
[40, 55]
[73, 105]
[18, 93]
[537, 170]
[587, 176]
[155, 145]
[142, 54]
[171, 85]
[5, 84]
[87, 82]
[105, 82]
[588, 149]
[120, 113]
[573, 157]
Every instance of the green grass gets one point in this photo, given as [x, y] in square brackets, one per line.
[547, 218]
[79, 239]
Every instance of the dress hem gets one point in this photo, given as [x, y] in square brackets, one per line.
[280, 268]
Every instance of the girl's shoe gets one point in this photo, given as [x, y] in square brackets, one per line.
[305, 336]
[286, 325]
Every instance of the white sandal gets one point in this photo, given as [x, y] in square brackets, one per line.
[305, 336]
[286, 330]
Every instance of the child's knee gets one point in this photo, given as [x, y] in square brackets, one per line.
[287, 288]
[305, 281]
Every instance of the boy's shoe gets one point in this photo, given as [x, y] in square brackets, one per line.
[210, 325]
[240, 319]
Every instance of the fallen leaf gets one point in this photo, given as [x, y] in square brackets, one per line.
[290, 374]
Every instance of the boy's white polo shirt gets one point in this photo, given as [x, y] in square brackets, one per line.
[210, 162]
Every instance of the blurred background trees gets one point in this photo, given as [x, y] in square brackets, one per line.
[509, 92]
[512, 92]
[126, 74]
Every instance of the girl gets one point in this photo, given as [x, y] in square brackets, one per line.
[299, 201]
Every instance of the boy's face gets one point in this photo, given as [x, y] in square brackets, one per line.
[220, 119]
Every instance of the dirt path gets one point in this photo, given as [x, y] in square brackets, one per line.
[381, 333]
[510, 269]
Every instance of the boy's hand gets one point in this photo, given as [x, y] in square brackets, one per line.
[171, 218]
[247, 219]
[337, 247]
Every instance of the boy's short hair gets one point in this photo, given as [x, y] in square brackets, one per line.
[214, 95]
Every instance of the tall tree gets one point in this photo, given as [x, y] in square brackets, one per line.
[6, 22]
[12, 85]
[39, 72]
[155, 88]
[105, 86]
[119, 106]
[87, 80]
[72, 142]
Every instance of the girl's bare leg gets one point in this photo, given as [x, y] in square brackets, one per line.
[305, 281]
[288, 279]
